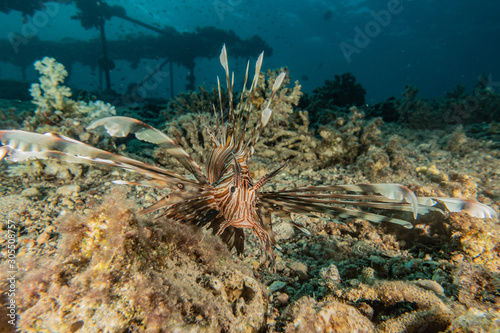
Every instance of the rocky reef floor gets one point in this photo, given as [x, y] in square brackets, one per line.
[88, 263]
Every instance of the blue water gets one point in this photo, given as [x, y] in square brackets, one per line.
[433, 45]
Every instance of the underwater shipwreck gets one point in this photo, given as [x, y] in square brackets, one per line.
[92, 256]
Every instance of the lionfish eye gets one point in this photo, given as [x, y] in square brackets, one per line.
[233, 189]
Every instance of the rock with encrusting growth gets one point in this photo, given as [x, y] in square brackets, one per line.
[475, 320]
[68, 190]
[330, 276]
[307, 315]
[113, 272]
[31, 192]
[276, 286]
[431, 285]
[429, 313]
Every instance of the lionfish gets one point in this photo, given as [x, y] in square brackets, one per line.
[225, 198]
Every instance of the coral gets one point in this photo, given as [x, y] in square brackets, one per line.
[94, 110]
[480, 240]
[341, 139]
[456, 108]
[339, 93]
[475, 285]
[189, 130]
[50, 95]
[476, 321]
[419, 309]
[433, 173]
[113, 272]
[56, 111]
[386, 110]
[287, 132]
[479, 106]
[416, 112]
[193, 102]
[346, 139]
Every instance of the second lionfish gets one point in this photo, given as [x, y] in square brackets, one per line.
[225, 198]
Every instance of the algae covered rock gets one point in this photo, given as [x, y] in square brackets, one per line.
[307, 315]
[113, 272]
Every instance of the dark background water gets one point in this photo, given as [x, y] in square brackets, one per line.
[433, 45]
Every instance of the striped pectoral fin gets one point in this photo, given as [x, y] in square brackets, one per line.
[155, 183]
[344, 199]
[375, 218]
[308, 208]
[301, 228]
[122, 126]
[283, 214]
[21, 146]
[390, 191]
[454, 205]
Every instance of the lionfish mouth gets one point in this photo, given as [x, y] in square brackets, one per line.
[209, 199]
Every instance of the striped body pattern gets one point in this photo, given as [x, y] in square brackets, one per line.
[225, 198]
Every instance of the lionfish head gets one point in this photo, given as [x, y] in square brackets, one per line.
[238, 198]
